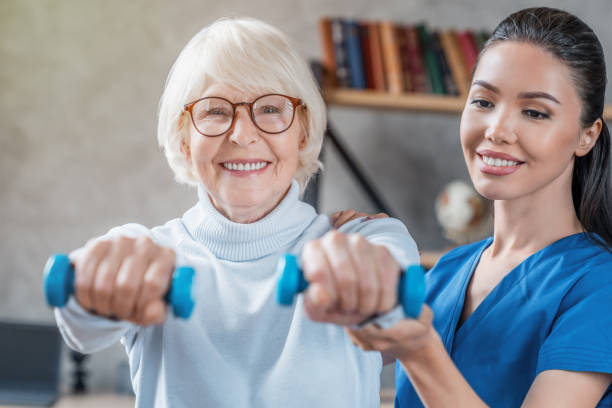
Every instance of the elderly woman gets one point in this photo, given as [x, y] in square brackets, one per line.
[242, 119]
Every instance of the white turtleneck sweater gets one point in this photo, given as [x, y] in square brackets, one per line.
[239, 348]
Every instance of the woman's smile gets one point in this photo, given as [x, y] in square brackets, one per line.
[245, 167]
[496, 163]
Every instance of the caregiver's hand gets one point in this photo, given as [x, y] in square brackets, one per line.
[124, 278]
[342, 217]
[349, 278]
[403, 341]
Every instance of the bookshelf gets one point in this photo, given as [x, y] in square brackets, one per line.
[411, 102]
[385, 100]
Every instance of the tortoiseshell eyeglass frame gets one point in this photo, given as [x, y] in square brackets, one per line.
[294, 101]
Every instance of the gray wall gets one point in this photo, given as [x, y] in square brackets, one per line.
[79, 86]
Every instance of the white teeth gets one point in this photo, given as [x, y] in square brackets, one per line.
[245, 166]
[498, 162]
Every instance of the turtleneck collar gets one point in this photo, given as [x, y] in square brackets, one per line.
[241, 242]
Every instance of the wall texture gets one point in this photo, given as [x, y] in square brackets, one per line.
[80, 82]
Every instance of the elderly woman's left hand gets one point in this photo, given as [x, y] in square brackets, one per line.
[349, 278]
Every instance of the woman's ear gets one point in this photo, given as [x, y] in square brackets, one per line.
[303, 141]
[184, 139]
[588, 138]
[186, 150]
[303, 118]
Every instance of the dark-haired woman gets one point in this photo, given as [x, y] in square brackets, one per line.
[523, 317]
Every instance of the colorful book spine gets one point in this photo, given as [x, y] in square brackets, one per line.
[342, 72]
[350, 30]
[481, 39]
[474, 43]
[402, 41]
[327, 50]
[431, 61]
[468, 50]
[417, 69]
[450, 88]
[393, 66]
[376, 55]
[367, 54]
[453, 57]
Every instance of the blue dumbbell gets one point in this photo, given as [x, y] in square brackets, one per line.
[59, 285]
[411, 288]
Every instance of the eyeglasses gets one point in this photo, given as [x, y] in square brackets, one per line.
[272, 113]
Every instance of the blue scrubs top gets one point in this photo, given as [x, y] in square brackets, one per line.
[553, 311]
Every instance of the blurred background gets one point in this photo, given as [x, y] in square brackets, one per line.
[79, 86]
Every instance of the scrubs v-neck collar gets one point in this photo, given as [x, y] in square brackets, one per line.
[458, 334]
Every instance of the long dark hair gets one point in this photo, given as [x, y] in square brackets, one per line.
[573, 42]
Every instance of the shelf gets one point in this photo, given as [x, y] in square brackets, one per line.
[384, 100]
[413, 102]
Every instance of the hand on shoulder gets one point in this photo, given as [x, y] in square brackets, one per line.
[340, 218]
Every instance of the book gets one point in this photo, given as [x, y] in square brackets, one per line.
[352, 41]
[481, 39]
[390, 50]
[415, 57]
[453, 57]
[327, 51]
[342, 72]
[367, 54]
[376, 57]
[402, 42]
[448, 82]
[468, 51]
[474, 42]
[432, 66]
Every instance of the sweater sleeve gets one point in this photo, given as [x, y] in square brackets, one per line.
[389, 232]
[86, 332]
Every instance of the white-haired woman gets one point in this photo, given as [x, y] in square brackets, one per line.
[242, 119]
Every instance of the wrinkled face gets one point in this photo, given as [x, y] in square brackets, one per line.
[520, 127]
[245, 171]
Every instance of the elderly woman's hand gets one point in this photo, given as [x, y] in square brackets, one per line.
[124, 278]
[402, 341]
[340, 218]
[349, 278]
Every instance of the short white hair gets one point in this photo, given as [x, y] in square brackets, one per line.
[249, 55]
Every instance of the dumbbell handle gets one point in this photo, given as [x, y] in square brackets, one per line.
[410, 291]
[59, 285]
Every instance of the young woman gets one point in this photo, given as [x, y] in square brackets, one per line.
[523, 317]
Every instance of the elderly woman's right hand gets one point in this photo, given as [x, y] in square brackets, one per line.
[350, 278]
[124, 278]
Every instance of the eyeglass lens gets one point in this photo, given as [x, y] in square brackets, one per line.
[271, 113]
